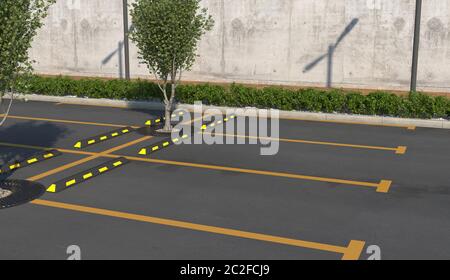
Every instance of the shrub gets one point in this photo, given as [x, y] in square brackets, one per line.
[383, 103]
[420, 105]
[415, 105]
[207, 94]
[355, 104]
[441, 107]
[336, 101]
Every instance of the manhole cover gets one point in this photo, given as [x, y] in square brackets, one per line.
[5, 193]
[16, 192]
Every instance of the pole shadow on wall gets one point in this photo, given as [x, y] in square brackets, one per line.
[120, 56]
[119, 52]
[330, 54]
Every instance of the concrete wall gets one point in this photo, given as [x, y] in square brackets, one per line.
[292, 42]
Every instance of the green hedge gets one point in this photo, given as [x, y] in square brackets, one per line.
[416, 105]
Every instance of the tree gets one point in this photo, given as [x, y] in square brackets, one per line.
[19, 22]
[167, 33]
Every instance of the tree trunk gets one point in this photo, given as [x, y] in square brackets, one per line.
[168, 115]
[2, 118]
[168, 123]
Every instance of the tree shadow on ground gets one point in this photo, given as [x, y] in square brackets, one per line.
[46, 134]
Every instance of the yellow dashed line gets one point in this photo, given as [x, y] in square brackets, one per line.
[33, 160]
[103, 169]
[14, 166]
[117, 163]
[87, 176]
[70, 183]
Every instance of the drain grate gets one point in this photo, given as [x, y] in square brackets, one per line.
[17, 192]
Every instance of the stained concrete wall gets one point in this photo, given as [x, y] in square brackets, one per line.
[345, 43]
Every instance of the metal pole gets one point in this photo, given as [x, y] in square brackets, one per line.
[415, 59]
[126, 43]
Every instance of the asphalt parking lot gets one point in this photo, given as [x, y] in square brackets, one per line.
[332, 191]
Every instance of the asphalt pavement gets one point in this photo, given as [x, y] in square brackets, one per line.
[331, 192]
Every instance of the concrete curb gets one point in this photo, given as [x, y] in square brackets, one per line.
[94, 102]
[309, 116]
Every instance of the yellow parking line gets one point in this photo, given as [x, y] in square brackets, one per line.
[122, 125]
[399, 150]
[354, 123]
[286, 118]
[411, 127]
[46, 148]
[75, 104]
[383, 186]
[351, 252]
[69, 121]
[87, 159]
[62, 168]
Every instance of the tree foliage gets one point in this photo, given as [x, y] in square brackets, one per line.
[167, 33]
[19, 22]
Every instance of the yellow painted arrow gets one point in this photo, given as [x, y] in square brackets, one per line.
[52, 188]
